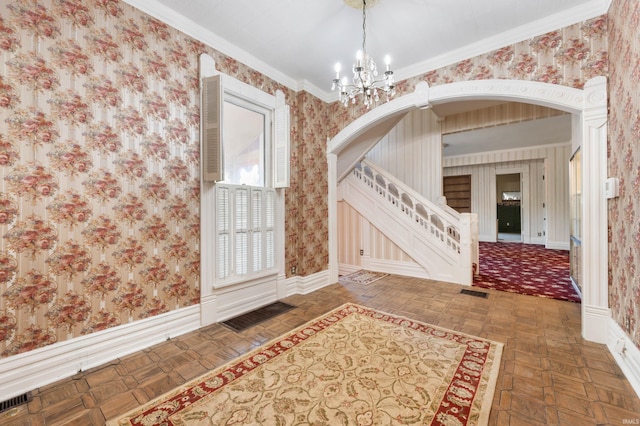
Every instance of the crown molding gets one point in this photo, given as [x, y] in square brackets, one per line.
[312, 89]
[560, 20]
[525, 32]
[179, 22]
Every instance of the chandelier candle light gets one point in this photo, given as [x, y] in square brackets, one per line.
[365, 75]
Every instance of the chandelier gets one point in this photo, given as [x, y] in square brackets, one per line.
[365, 83]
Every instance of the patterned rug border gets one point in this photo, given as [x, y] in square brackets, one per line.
[352, 278]
[243, 364]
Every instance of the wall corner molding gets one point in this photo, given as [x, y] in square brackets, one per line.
[595, 321]
[308, 283]
[626, 354]
[43, 366]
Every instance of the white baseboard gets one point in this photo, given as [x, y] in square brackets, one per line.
[396, 267]
[626, 354]
[344, 269]
[408, 269]
[488, 238]
[208, 310]
[595, 323]
[557, 245]
[24, 372]
[290, 285]
[541, 241]
[311, 283]
[307, 284]
[240, 298]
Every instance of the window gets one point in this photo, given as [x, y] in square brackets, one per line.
[245, 150]
[236, 129]
[245, 138]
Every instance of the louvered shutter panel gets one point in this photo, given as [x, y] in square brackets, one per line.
[281, 147]
[211, 123]
[269, 233]
[256, 226]
[242, 230]
[224, 251]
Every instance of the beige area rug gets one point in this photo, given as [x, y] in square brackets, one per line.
[362, 277]
[352, 366]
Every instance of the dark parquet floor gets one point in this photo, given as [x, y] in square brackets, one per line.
[549, 374]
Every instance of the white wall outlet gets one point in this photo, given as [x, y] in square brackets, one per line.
[612, 187]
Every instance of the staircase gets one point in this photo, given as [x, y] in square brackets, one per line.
[441, 240]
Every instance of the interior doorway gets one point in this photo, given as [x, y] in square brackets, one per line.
[509, 207]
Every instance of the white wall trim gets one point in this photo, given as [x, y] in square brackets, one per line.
[564, 98]
[332, 194]
[556, 245]
[190, 28]
[488, 238]
[241, 297]
[24, 372]
[529, 153]
[346, 269]
[591, 105]
[396, 267]
[572, 16]
[289, 285]
[595, 320]
[595, 244]
[626, 354]
[308, 284]
[563, 19]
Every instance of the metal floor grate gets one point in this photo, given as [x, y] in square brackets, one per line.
[15, 401]
[474, 293]
[252, 318]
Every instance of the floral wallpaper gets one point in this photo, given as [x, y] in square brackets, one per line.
[313, 254]
[99, 169]
[624, 163]
[99, 159]
[99, 180]
[569, 56]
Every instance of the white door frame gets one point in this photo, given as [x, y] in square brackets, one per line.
[525, 215]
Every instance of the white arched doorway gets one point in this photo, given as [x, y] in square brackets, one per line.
[589, 109]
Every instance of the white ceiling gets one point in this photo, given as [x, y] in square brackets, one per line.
[298, 42]
[545, 131]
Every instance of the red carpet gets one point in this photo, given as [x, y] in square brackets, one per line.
[526, 269]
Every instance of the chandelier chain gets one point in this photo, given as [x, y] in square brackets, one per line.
[364, 27]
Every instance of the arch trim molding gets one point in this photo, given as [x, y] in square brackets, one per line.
[588, 104]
